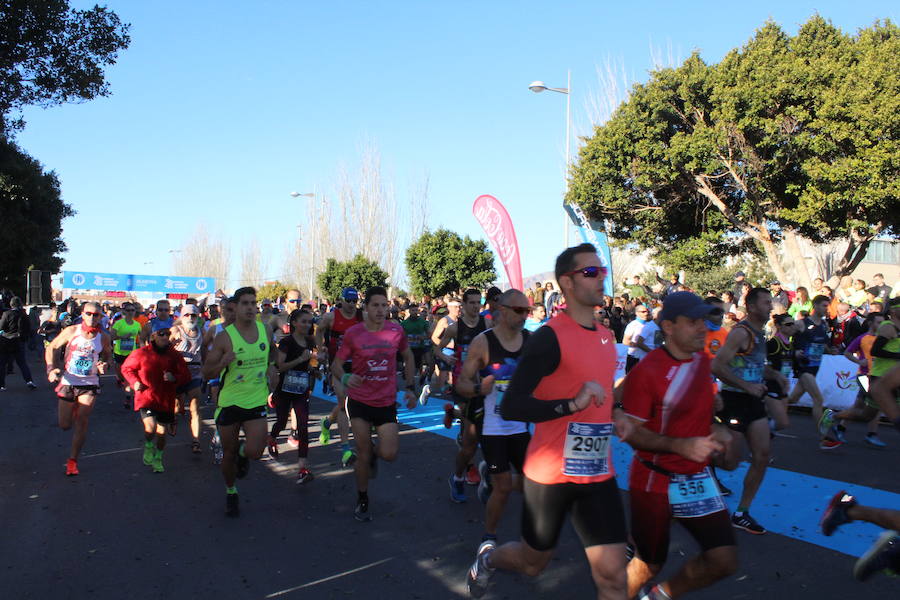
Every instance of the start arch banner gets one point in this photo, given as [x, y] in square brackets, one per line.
[159, 284]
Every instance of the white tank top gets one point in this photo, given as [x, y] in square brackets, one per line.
[81, 357]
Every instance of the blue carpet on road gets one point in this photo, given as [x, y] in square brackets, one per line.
[788, 503]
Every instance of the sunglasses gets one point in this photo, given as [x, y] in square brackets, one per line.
[294, 301]
[162, 333]
[519, 310]
[192, 316]
[589, 272]
[90, 314]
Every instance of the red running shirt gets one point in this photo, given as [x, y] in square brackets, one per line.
[673, 398]
[374, 356]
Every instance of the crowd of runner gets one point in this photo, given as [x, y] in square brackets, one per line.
[531, 376]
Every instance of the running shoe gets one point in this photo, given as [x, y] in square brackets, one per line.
[479, 575]
[242, 463]
[2, 389]
[423, 395]
[71, 467]
[873, 440]
[448, 415]
[304, 476]
[325, 433]
[652, 593]
[232, 508]
[157, 462]
[747, 523]
[826, 422]
[294, 438]
[484, 486]
[361, 512]
[31, 385]
[195, 446]
[835, 513]
[884, 553]
[457, 490]
[473, 476]
[348, 457]
[149, 452]
[272, 447]
[829, 444]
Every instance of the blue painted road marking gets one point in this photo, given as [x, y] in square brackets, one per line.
[788, 503]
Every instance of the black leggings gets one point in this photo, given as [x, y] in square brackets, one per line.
[284, 402]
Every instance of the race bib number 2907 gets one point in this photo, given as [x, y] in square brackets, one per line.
[587, 449]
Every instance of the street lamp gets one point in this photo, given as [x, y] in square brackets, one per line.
[312, 244]
[537, 87]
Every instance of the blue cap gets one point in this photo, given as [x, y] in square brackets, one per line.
[350, 294]
[160, 325]
[684, 304]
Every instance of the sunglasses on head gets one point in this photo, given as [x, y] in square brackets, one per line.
[519, 310]
[589, 272]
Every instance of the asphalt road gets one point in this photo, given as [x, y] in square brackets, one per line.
[120, 531]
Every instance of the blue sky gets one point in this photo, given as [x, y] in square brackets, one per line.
[220, 109]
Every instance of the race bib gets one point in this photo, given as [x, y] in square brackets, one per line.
[752, 373]
[126, 344]
[694, 495]
[295, 382]
[500, 387]
[586, 452]
[815, 352]
[82, 367]
[787, 370]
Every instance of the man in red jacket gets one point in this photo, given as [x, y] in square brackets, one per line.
[155, 372]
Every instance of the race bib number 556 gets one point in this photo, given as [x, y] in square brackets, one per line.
[586, 452]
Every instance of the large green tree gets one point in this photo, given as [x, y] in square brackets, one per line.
[786, 137]
[32, 211]
[51, 54]
[441, 261]
[358, 272]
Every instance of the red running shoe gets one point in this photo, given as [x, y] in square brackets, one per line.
[71, 467]
[473, 477]
[448, 415]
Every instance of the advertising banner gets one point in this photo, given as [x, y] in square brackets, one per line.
[495, 221]
[592, 232]
[159, 284]
[837, 380]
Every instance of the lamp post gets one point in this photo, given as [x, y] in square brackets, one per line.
[312, 244]
[537, 87]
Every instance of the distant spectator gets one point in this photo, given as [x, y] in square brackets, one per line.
[801, 301]
[882, 291]
[739, 280]
[727, 301]
[779, 295]
[538, 293]
[857, 297]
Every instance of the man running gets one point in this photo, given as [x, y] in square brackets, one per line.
[470, 410]
[372, 347]
[669, 397]
[164, 314]
[75, 359]
[240, 356]
[124, 333]
[333, 326]
[443, 355]
[563, 383]
[492, 358]
[741, 367]
[187, 339]
[154, 372]
[416, 329]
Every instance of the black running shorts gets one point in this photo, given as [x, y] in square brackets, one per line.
[229, 415]
[502, 451]
[161, 416]
[376, 415]
[740, 410]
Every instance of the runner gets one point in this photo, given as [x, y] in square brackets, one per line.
[629, 337]
[563, 383]
[493, 355]
[669, 398]
[441, 356]
[332, 328]
[416, 329]
[781, 357]
[164, 314]
[294, 383]
[864, 408]
[469, 410]
[715, 339]
[371, 347]
[124, 333]
[885, 363]
[154, 372]
[75, 359]
[741, 367]
[812, 340]
[240, 356]
[280, 328]
[188, 340]
[884, 554]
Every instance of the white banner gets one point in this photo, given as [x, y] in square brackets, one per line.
[837, 380]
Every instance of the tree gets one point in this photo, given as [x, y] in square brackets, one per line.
[442, 262]
[204, 254]
[51, 55]
[358, 272]
[33, 210]
[253, 264]
[786, 138]
[271, 291]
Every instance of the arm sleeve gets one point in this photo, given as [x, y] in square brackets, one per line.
[540, 358]
[879, 351]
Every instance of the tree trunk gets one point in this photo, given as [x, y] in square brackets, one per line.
[771, 250]
[857, 247]
[792, 246]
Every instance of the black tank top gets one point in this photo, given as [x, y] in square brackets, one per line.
[464, 337]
